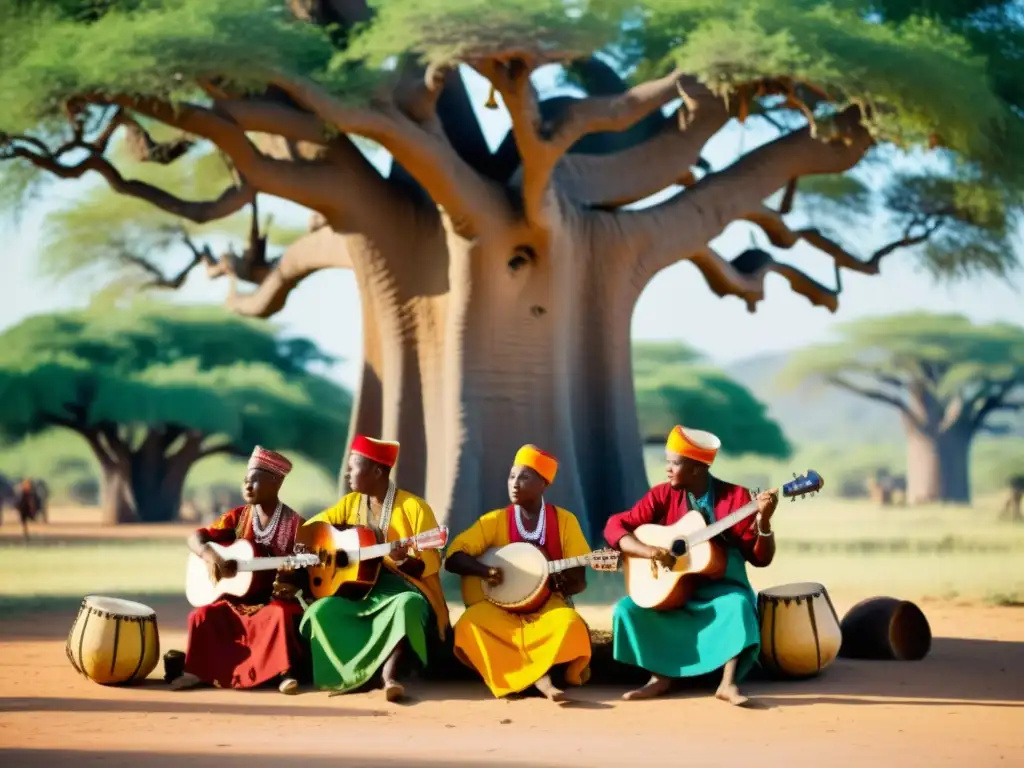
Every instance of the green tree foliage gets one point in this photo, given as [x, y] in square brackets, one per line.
[674, 387]
[834, 81]
[947, 376]
[154, 388]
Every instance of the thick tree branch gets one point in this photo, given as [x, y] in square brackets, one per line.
[619, 112]
[470, 200]
[510, 76]
[632, 174]
[680, 228]
[323, 249]
[744, 277]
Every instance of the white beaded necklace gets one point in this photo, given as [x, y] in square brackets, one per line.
[539, 534]
[264, 535]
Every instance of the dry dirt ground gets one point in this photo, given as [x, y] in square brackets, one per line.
[963, 705]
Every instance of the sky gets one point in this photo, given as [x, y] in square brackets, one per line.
[325, 307]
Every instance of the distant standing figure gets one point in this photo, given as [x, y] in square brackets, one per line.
[1011, 509]
[29, 503]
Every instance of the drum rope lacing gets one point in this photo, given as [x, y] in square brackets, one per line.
[539, 534]
[264, 535]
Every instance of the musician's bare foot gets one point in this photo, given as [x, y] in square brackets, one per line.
[289, 686]
[656, 686]
[546, 687]
[393, 690]
[730, 694]
[185, 681]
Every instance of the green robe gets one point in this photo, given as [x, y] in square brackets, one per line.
[718, 623]
[351, 639]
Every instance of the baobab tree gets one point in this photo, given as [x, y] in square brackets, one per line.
[497, 286]
[948, 378]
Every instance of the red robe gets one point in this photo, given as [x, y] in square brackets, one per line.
[664, 505]
[231, 645]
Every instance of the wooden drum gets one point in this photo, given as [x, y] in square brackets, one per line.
[113, 641]
[800, 633]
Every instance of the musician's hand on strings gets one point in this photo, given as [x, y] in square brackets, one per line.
[401, 552]
[662, 556]
[767, 501]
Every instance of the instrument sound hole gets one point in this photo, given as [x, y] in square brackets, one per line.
[679, 547]
[317, 581]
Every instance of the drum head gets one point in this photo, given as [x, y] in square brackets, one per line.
[523, 567]
[800, 589]
[118, 607]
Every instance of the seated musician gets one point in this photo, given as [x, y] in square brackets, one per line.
[351, 640]
[718, 627]
[512, 652]
[235, 645]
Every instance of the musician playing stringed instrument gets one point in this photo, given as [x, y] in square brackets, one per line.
[244, 644]
[512, 651]
[352, 639]
[717, 627]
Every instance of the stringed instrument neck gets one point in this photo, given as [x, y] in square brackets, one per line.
[600, 559]
[725, 523]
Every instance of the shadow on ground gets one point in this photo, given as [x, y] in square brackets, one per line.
[959, 669]
[27, 757]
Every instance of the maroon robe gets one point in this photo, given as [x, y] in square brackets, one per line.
[231, 645]
[664, 505]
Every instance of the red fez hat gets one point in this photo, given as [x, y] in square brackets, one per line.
[382, 451]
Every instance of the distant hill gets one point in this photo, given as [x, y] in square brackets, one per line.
[825, 414]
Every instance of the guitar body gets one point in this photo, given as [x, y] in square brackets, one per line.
[201, 590]
[661, 589]
[355, 579]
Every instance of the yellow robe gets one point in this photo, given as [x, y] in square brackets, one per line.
[513, 651]
[410, 515]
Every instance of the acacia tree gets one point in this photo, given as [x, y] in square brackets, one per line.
[674, 385]
[153, 389]
[497, 287]
[946, 376]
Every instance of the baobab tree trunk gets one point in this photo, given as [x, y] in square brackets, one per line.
[494, 346]
[955, 465]
[938, 465]
[145, 484]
